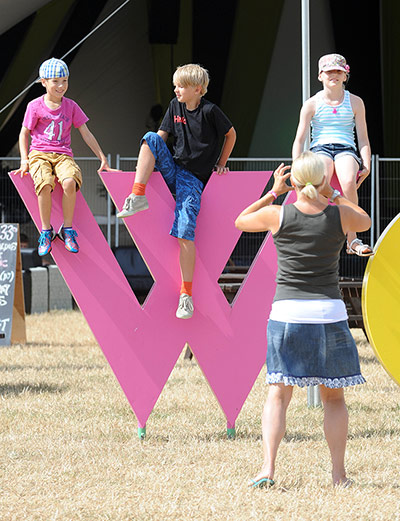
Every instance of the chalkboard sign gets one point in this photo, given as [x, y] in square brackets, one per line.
[12, 309]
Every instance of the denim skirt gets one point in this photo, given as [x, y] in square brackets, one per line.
[312, 354]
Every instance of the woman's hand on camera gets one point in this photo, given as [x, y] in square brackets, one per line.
[281, 175]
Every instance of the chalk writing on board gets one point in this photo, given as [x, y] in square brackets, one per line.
[3, 324]
[7, 232]
[8, 257]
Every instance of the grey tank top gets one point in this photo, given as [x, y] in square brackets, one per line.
[308, 248]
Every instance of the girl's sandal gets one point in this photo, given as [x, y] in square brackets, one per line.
[262, 483]
[357, 247]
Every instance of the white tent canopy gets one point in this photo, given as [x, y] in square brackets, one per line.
[13, 12]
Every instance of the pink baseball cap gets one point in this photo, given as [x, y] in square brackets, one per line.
[333, 62]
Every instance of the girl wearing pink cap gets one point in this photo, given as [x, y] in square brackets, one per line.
[333, 113]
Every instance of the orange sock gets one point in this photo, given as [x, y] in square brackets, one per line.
[138, 189]
[186, 288]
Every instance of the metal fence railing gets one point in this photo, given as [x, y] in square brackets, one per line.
[351, 266]
[12, 208]
[380, 196]
[387, 191]
[127, 164]
[249, 243]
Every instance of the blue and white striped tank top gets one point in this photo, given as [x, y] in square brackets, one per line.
[333, 124]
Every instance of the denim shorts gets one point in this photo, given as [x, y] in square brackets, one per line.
[184, 184]
[312, 354]
[333, 151]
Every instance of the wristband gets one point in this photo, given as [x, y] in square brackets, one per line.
[24, 161]
[335, 194]
[274, 194]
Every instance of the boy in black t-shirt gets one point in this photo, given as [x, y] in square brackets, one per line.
[198, 127]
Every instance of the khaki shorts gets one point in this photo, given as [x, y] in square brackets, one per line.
[45, 167]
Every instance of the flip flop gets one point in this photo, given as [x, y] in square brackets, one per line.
[262, 483]
[345, 484]
[357, 247]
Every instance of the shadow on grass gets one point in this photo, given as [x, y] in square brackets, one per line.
[367, 360]
[73, 367]
[290, 436]
[220, 436]
[375, 433]
[185, 439]
[26, 388]
[298, 436]
[380, 485]
[55, 344]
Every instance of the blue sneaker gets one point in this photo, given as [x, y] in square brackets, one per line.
[45, 239]
[67, 235]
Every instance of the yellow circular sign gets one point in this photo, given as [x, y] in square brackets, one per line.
[381, 299]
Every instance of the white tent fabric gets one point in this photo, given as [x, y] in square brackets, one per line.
[13, 12]
[111, 78]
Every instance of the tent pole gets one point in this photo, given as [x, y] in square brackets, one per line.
[313, 395]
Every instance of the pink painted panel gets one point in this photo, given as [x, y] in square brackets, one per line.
[218, 337]
[143, 344]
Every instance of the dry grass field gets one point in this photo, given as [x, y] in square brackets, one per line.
[69, 448]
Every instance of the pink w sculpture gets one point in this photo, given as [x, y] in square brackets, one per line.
[142, 344]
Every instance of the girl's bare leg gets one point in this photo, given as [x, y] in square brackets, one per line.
[335, 428]
[346, 170]
[273, 426]
[329, 166]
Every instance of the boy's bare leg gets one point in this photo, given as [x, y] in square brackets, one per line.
[187, 259]
[145, 164]
[44, 202]
[137, 201]
[68, 201]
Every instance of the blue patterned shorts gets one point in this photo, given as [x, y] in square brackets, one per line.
[312, 354]
[184, 184]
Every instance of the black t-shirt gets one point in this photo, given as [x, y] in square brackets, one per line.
[198, 135]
